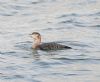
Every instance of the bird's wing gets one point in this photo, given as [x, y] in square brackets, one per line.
[52, 45]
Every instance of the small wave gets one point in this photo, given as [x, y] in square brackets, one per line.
[80, 44]
[84, 70]
[24, 45]
[81, 59]
[74, 22]
[5, 14]
[94, 14]
[96, 26]
[8, 53]
[42, 1]
[67, 21]
[36, 2]
[69, 15]
[18, 7]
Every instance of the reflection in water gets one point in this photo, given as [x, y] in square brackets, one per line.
[38, 54]
[35, 55]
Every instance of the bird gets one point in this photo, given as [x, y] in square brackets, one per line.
[46, 46]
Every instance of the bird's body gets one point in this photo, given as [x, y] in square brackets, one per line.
[46, 46]
[52, 46]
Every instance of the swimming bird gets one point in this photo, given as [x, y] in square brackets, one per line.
[46, 46]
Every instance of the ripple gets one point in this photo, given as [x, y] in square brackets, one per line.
[81, 60]
[36, 2]
[41, 1]
[95, 14]
[24, 45]
[68, 15]
[80, 44]
[74, 22]
[47, 64]
[96, 26]
[8, 14]
[8, 53]
[75, 59]
[67, 21]
[72, 74]
[84, 70]
[17, 7]
[11, 77]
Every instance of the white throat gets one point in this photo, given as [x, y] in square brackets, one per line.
[36, 43]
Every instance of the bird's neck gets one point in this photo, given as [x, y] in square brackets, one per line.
[36, 43]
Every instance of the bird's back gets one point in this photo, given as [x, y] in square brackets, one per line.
[53, 46]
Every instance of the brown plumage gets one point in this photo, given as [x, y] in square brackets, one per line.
[46, 46]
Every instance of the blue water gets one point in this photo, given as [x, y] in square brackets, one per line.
[69, 22]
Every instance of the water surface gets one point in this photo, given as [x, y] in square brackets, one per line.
[69, 22]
